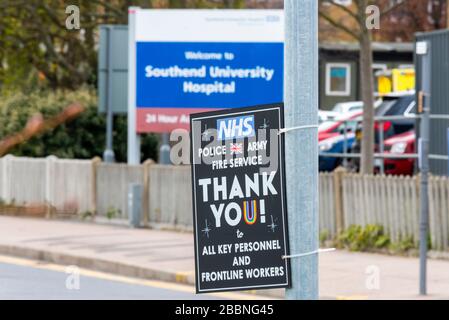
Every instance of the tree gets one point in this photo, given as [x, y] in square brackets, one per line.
[36, 43]
[413, 16]
[39, 119]
[356, 15]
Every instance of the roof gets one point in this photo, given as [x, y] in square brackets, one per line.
[431, 33]
[407, 47]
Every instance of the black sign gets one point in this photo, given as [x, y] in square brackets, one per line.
[239, 206]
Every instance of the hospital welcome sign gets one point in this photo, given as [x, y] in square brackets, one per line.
[190, 61]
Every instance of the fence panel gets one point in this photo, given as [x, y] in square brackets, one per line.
[385, 200]
[3, 181]
[443, 215]
[347, 194]
[170, 195]
[71, 187]
[112, 183]
[327, 204]
[23, 180]
[439, 212]
[413, 185]
[445, 212]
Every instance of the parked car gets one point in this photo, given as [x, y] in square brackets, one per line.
[333, 128]
[392, 105]
[342, 109]
[396, 105]
[324, 116]
[335, 144]
[404, 143]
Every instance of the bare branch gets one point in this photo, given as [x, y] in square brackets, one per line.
[341, 7]
[109, 6]
[340, 26]
[392, 8]
[9, 4]
[52, 15]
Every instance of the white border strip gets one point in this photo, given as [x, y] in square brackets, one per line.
[159, 25]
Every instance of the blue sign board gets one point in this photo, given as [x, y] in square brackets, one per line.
[208, 75]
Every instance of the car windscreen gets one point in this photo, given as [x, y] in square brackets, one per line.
[384, 107]
[355, 108]
[400, 107]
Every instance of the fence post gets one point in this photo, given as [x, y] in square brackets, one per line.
[49, 184]
[146, 189]
[93, 184]
[2, 180]
[338, 199]
[6, 176]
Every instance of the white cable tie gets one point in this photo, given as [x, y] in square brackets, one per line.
[309, 253]
[285, 130]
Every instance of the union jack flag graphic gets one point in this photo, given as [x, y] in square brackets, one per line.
[236, 148]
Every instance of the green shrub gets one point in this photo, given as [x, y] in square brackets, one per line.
[324, 236]
[357, 238]
[86, 215]
[113, 213]
[82, 138]
[404, 245]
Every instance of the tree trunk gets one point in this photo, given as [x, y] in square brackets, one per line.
[447, 14]
[367, 87]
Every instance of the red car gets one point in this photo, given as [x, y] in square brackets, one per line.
[404, 143]
[330, 129]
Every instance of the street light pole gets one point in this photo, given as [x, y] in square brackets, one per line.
[424, 101]
[301, 109]
[447, 14]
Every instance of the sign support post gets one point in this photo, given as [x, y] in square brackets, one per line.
[108, 155]
[164, 150]
[133, 137]
[301, 109]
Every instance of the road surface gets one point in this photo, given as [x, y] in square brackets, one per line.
[29, 280]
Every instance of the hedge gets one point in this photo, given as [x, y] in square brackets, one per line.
[82, 138]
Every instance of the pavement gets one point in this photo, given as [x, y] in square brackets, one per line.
[168, 257]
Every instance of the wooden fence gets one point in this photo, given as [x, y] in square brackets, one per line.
[439, 212]
[345, 199]
[111, 187]
[392, 202]
[170, 195]
[63, 185]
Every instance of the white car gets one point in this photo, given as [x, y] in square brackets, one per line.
[342, 109]
[325, 116]
[346, 107]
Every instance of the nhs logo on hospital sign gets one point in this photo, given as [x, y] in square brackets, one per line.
[236, 128]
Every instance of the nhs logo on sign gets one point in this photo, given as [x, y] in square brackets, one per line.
[236, 128]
